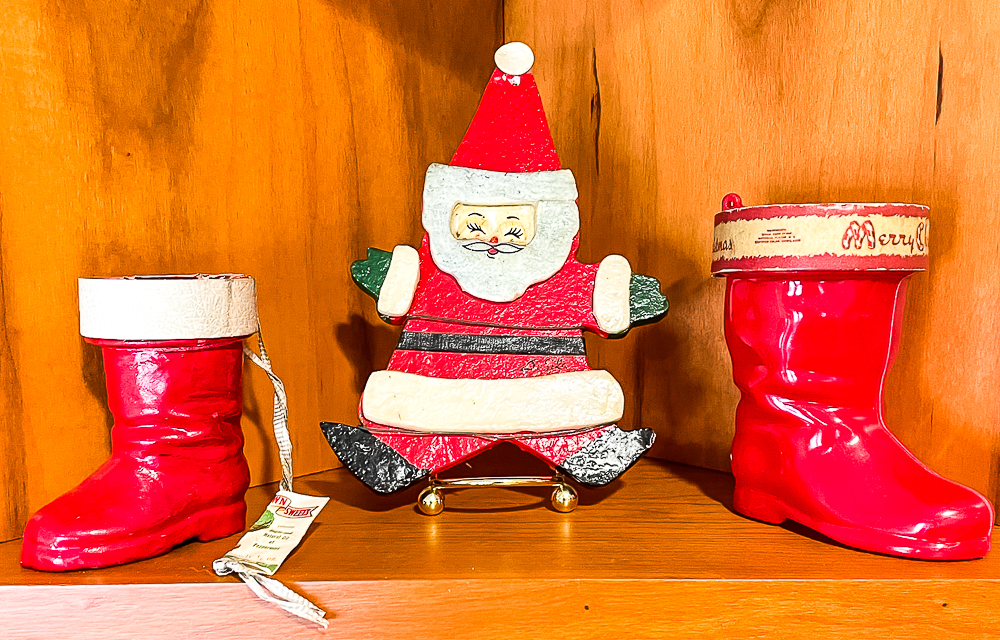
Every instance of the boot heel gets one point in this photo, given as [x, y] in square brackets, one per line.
[220, 522]
[759, 506]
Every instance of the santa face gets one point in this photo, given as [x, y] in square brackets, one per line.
[499, 233]
[495, 229]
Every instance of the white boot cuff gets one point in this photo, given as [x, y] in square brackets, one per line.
[188, 307]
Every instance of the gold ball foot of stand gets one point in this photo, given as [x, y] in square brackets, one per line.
[564, 497]
[431, 501]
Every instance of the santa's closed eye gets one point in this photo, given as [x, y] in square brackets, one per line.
[508, 223]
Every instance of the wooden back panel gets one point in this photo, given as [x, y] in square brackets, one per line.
[663, 108]
[281, 139]
[273, 139]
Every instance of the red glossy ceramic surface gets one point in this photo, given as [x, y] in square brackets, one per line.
[177, 470]
[811, 351]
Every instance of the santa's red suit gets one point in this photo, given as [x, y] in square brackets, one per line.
[492, 346]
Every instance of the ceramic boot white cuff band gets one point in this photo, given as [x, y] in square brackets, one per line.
[191, 307]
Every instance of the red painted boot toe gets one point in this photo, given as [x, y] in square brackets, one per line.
[810, 354]
[176, 471]
[129, 510]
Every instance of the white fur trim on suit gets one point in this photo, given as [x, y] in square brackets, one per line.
[541, 404]
[611, 294]
[168, 307]
[396, 294]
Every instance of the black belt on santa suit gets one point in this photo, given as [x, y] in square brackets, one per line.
[492, 344]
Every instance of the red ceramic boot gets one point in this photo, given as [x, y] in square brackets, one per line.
[177, 470]
[812, 335]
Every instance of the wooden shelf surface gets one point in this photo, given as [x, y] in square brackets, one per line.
[657, 554]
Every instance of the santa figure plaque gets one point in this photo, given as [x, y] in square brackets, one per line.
[493, 307]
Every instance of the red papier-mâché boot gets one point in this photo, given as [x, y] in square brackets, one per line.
[173, 359]
[814, 306]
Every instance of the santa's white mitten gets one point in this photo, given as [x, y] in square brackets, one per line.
[390, 278]
[396, 295]
[611, 295]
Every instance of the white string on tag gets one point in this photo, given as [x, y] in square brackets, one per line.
[271, 590]
[280, 410]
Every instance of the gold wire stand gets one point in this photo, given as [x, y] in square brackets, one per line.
[564, 497]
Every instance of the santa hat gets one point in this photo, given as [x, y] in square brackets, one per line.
[506, 157]
[509, 132]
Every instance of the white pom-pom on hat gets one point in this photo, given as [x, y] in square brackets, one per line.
[514, 58]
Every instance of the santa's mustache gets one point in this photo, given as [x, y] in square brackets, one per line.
[492, 249]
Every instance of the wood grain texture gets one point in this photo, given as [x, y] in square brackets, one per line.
[504, 609]
[280, 139]
[663, 108]
[273, 139]
[657, 554]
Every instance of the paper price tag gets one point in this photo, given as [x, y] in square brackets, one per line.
[265, 546]
[282, 525]
[277, 532]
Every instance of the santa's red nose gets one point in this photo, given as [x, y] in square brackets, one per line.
[494, 240]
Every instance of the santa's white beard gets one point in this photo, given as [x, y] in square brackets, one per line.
[501, 277]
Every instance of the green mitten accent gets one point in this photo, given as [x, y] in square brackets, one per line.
[646, 303]
[369, 274]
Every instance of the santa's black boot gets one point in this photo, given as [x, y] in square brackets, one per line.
[607, 457]
[372, 461]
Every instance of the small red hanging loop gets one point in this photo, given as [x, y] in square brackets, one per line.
[732, 201]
